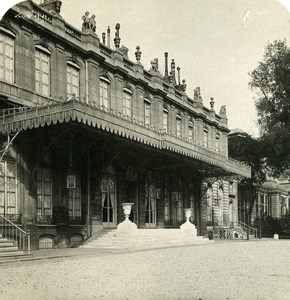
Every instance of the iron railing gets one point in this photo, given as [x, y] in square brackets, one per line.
[15, 234]
[247, 228]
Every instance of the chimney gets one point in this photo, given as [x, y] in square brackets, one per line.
[173, 72]
[108, 36]
[178, 75]
[166, 64]
[104, 38]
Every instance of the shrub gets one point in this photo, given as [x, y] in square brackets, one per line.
[284, 223]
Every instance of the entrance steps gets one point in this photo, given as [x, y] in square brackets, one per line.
[9, 251]
[143, 239]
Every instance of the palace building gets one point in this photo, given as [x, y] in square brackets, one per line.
[84, 129]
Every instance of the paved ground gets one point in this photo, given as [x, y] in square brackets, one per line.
[223, 270]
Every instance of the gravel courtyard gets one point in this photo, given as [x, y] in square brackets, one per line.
[222, 270]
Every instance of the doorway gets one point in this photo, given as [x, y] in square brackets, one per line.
[108, 202]
[150, 206]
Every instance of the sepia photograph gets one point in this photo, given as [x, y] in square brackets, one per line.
[145, 150]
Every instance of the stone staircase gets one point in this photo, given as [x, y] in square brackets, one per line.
[9, 251]
[143, 239]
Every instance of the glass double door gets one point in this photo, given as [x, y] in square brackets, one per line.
[108, 203]
[150, 206]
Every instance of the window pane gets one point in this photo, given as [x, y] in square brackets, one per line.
[147, 113]
[6, 57]
[72, 81]
[42, 73]
[47, 201]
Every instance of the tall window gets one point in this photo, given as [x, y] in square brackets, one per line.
[74, 202]
[178, 126]
[209, 209]
[7, 188]
[127, 96]
[6, 57]
[220, 198]
[104, 93]
[147, 112]
[190, 132]
[108, 200]
[217, 142]
[205, 137]
[42, 71]
[165, 120]
[73, 81]
[44, 195]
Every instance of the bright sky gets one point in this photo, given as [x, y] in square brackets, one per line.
[216, 43]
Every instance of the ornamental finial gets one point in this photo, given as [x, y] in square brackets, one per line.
[138, 54]
[117, 38]
[211, 103]
[183, 86]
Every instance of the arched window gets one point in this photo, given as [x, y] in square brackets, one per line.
[46, 242]
[44, 195]
[74, 202]
[76, 239]
[108, 188]
[105, 92]
[178, 125]
[73, 80]
[42, 70]
[205, 137]
[190, 131]
[165, 120]
[209, 205]
[147, 111]
[217, 142]
[127, 102]
[8, 189]
[220, 199]
[6, 55]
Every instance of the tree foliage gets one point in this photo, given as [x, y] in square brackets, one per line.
[271, 83]
[250, 151]
[244, 148]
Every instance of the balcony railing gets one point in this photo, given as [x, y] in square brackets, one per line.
[44, 219]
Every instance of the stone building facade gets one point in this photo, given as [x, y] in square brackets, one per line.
[84, 129]
[272, 199]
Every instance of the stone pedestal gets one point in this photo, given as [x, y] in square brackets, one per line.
[188, 228]
[126, 227]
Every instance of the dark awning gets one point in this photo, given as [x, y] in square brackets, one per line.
[24, 118]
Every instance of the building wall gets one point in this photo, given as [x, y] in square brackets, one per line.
[64, 48]
[174, 186]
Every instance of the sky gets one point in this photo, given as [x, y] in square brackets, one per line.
[216, 43]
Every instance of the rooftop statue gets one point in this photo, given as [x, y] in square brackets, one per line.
[89, 23]
[223, 111]
[93, 23]
[154, 65]
[197, 95]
